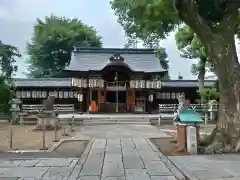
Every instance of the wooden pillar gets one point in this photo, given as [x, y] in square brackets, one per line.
[101, 97]
[130, 99]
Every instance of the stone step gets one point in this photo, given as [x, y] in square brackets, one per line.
[114, 122]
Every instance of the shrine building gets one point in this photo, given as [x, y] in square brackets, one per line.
[109, 80]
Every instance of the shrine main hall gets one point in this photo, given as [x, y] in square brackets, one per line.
[107, 80]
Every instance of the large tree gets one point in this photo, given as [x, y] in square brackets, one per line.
[215, 24]
[6, 94]
[53, 41]
[191, 47]
[8, 56]
[163, 58]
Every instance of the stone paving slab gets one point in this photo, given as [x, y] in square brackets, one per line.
[125, 156]
[217, 167]
[121, 131]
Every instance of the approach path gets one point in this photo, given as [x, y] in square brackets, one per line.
[117, 153]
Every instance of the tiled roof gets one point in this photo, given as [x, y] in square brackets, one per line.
[67, 82]
[42, 82]
[187, 83]
[96, 59]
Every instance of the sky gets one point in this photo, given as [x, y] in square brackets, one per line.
[17, 18]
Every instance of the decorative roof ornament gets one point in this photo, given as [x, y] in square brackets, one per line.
[116, 57]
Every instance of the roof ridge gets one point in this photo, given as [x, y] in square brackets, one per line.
[115, 50]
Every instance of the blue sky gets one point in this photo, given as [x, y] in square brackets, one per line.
[18, 16]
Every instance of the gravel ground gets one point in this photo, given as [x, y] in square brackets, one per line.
[25, 138]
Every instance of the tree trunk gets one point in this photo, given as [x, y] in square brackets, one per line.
[219, 43]
[226, 136]
[201, 75]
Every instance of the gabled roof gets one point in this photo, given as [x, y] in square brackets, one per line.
[67, 82]
[85, 59]
[187, 83]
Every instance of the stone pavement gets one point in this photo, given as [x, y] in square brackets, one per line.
[209, 167]
[111, 159]
[120, 131]
[127, 156]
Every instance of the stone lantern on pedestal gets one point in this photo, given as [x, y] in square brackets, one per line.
[47, 116]
[15, 110]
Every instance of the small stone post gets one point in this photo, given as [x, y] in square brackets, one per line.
[55, 131]
[44, 136]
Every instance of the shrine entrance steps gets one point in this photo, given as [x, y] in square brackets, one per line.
[95, 119]
[116, 121]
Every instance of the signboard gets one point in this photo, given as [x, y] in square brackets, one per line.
[191, 140]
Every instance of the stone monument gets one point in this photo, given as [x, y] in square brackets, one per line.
[47, 118]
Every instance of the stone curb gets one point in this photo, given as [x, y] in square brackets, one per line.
[171, 166]
[52, 148]
[184, 170]
[171, 130]
[77, 169]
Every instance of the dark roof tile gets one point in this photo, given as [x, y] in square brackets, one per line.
[42, 82]
[187, 83]
[96, 59]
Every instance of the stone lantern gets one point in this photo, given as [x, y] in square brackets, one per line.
[15, 109]
[47, 119]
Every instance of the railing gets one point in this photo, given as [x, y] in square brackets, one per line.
[171, 108]
[35, 108]
[29, 112]
[167, 111]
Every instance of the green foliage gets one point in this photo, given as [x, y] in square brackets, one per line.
[6, 95]
[189, 44]
[8, 56]
[191, 47]
[163, 58]
[209, 94]
[53, 41]
[153, 20]
[149, 20]
[162, 55]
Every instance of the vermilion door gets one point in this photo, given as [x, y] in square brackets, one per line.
[101, 98]
[130, 99]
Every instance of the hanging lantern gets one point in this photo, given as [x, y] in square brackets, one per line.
[65, 94]
[70, 94]
[60, 94]
[142, 84]
[159, 84]
[150, 98]
[80, 97]
[44, 94]
[28, 94]
[132, 84]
